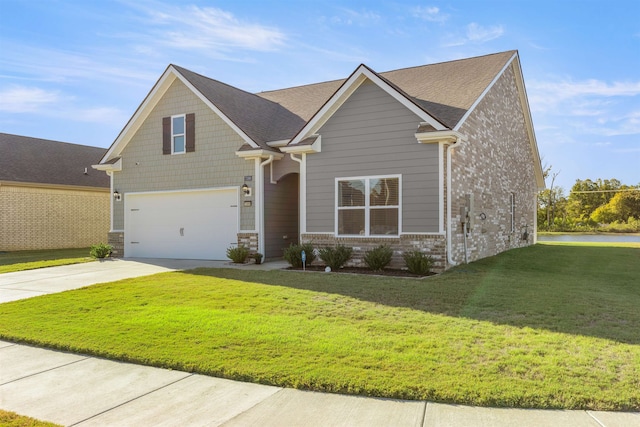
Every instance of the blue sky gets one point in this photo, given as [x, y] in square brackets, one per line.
[75, 71]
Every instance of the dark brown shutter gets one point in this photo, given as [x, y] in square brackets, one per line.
[190, 128]
[166, 135]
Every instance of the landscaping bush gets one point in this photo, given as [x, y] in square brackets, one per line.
[418, 262]
[378, 258]
[238, 254]
[258, 257]
[293, 254]
[335, 257]
[101, 250]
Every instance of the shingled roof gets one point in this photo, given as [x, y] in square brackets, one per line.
[261, 119]
[43, 161]
[445, 90]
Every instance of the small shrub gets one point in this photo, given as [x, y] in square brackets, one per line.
[101, 250]
[378, 258]
[293, 254]
[238, 254]
[418, 262]
[335, 257]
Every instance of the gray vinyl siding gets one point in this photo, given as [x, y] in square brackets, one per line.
[280, 213]
[213, 164]
[372, 134]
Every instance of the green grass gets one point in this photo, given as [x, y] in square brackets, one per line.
[11, 419]
[549, 326]
[28, 260]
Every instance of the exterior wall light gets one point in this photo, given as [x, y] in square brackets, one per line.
[117, 196]
[246, 190]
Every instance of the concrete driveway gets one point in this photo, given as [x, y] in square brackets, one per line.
[31, 283]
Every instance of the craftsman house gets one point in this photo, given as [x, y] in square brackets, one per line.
[50, 197]
[439, 158]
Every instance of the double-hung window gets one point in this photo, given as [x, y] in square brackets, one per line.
[368, 206]
[178, 134]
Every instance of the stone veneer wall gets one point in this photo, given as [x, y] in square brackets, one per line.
[116, 240]
[249, 240]
[434, 245]
[494, 162]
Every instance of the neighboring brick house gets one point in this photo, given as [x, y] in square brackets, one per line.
[440, 158]
[50, 197]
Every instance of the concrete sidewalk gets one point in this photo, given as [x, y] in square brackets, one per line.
[78, 390]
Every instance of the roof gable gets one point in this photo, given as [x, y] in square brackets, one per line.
[43, 161]
[348, 87]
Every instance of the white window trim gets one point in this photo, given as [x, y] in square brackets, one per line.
[184, 134]
[367, 207]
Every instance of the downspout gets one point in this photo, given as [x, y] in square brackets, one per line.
[449, 228]
[260, 203]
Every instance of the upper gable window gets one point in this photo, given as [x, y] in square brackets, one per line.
[368, 206]
[178, 134]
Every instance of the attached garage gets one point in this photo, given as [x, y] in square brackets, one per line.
[192, 224]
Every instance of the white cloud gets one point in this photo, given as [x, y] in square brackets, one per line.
[429, 13]
[23, 99]
[570, 89]
[476, 34]
[479, 34]
[209, 28]
[352, 17]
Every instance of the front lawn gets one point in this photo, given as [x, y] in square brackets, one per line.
[549, 326]
[28, 260]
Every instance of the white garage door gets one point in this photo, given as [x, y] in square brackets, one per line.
[198, 224]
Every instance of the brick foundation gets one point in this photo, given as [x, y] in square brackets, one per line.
[434, 245]
[116, 240]
[248, 240]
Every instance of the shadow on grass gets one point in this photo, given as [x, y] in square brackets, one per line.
[592, 291]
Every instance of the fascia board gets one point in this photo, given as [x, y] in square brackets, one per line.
[143, 111]
[109, 167]
[316, 147]
[263, 154]
[449, 136]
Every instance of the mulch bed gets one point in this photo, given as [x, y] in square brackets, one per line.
[393, 272]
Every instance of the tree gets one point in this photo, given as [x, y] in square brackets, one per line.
[623, 205]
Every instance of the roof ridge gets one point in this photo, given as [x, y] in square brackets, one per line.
[448, 62]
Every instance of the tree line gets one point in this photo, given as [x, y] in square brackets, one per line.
[592, 205]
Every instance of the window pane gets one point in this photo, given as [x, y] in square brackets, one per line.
[351, 193]
[384, 192]
[384, 221]
[178, 144]
[178, 125]
[351, 221]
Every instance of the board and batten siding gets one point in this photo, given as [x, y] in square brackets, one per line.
[213, 164]
[373, 134]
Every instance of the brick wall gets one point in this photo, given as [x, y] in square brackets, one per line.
[495, 162]
[433, 245]
[116, 240]
[52, 218]
[248, 240]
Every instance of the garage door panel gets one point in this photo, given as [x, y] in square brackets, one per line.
[189, 225]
